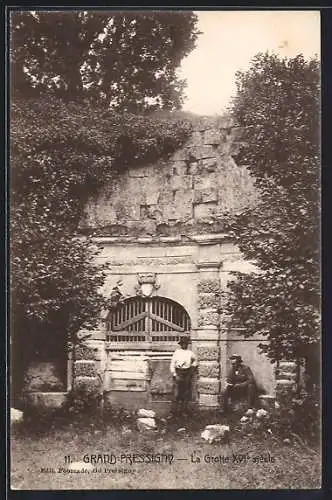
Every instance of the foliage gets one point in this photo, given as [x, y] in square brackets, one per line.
[68, 68]
[60, 155]
[82, 402]
[277, 108]
[294, 417]
[298, 415]
[124, 58]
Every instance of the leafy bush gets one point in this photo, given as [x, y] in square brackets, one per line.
[277, 107]
[299, 415]
[61, 154]
[81, 402]
[294, 417]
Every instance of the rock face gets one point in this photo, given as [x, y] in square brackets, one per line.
[187, 192]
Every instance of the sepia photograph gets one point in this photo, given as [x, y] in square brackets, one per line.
[165, 282]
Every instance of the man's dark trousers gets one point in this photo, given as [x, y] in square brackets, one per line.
[183, 388]
[246, 388]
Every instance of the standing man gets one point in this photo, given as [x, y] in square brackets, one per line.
[240, 380]
[183, 366]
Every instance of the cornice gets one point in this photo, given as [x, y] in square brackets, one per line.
[199, 239]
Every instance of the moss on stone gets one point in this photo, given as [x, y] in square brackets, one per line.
[208, 286]
[85, 369]
[209, 369]
[209, 387]
[207, 299]
[208, 318]
[208, 353]
[83, 352]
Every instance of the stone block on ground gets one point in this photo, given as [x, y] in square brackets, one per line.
[215, 433]
[16, 416]
[261, 414]
[146, 424]
[146, 413]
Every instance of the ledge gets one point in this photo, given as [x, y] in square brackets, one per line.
[208, 265]
[47, 399]
[200, 239]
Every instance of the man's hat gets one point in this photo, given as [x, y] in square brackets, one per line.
[236, 356]
[184, 340]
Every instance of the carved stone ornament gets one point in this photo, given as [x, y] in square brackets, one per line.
[147, 284]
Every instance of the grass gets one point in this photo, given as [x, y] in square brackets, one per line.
[295, 466]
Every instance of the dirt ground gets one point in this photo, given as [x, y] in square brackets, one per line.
[120, 457]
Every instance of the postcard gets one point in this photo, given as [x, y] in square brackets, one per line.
[165, 249]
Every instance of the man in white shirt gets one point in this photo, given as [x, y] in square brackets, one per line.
[183, 366]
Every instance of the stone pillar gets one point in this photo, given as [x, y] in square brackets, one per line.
[286, 378]
[223, 327]
[88, 362]
[85, 371]
[207, 341]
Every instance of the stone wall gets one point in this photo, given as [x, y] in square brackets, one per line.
[193, 272]
[187, 193]
[169, 219]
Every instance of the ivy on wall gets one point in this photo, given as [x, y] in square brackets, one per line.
[61, 153]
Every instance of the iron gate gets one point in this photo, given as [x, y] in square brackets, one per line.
[147, 322]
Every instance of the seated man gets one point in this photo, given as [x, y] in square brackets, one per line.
[240, 380]
[183, 366]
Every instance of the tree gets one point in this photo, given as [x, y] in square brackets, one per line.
[61, 153]
[126, 59]
[277, 108]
